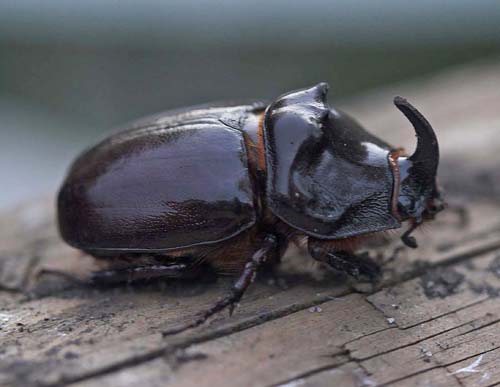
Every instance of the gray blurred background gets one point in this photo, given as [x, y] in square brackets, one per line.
[72, 70]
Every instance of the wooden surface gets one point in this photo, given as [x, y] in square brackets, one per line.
[434, 321]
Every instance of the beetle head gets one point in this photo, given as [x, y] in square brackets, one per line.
[419, 197]
[330, 178]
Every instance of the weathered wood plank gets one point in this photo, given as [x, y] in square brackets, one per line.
[110, 326]
[389, 340]
[460, 333]
[125, 322]
[306, 339]
[437, 293]
[466, 339]
[346, 330]
[111, 336]
[481, 370]
[351, 375]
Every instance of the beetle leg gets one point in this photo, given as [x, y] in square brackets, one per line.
[409, 240]
[361, 266]
[130, 274]
[62, 274]
[239, 287]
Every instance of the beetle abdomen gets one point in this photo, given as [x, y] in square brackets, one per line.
[159, 188]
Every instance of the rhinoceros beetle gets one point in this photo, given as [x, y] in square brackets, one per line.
[231, 185]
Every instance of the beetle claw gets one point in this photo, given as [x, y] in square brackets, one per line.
[409, 241]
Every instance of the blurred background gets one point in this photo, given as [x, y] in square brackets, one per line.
[72, 70]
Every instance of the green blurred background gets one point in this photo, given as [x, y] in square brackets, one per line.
[71, 70]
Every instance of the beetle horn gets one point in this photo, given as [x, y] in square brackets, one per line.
[418, 172]
[425, 159]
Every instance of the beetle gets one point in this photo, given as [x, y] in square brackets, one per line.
[231, 185]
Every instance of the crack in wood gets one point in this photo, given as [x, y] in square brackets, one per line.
[304, 375]
[475, 329]
[479, 302]
[182, 344]
[134, 361]
[371, 333]
[359, 361]
[445, 366]
[422, 340]
[263, 318]
[491, 385]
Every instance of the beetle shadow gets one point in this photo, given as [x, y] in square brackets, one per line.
[294, 271]
[65, 285]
